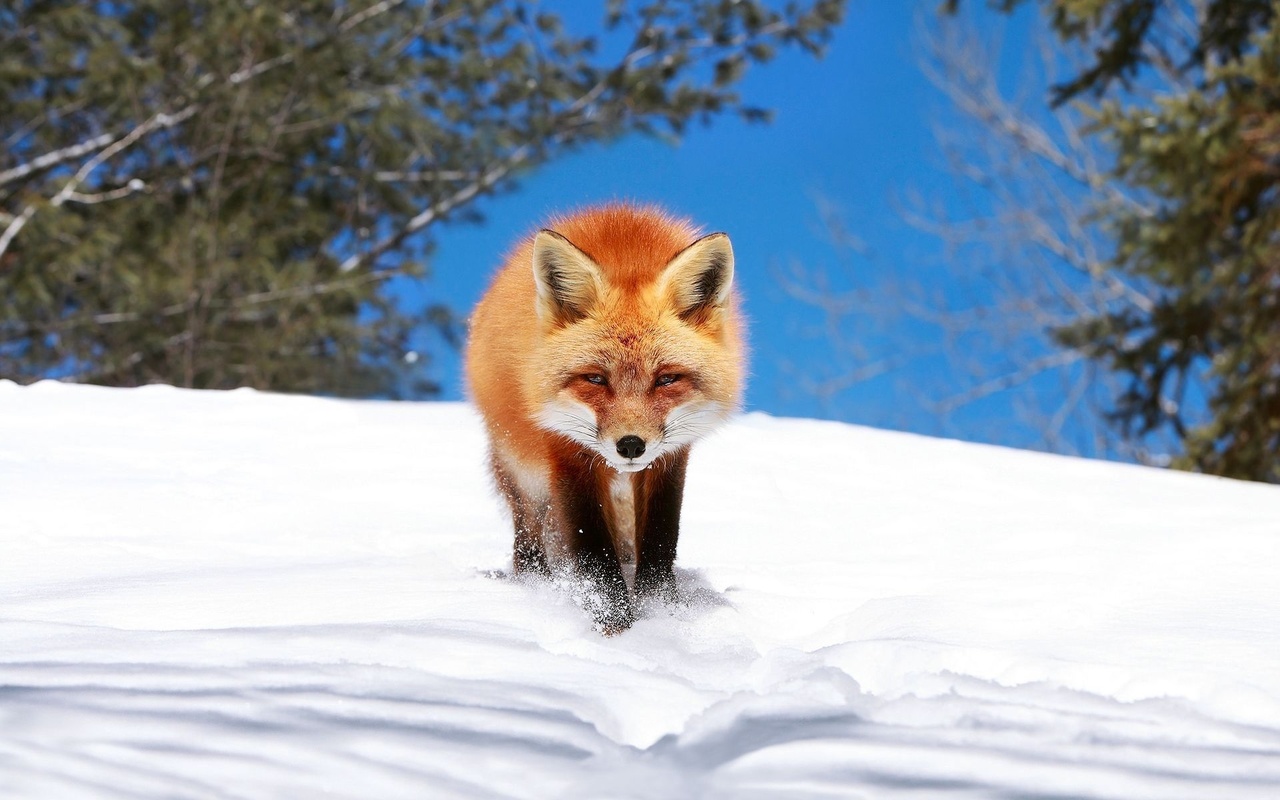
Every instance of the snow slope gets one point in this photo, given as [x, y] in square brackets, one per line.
[255, 596]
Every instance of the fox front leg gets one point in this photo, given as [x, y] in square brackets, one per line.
[661, 491]
[528, 521]
[600, 587]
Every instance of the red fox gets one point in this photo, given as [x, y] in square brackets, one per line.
[607, 344]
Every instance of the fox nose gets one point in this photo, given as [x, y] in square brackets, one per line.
[631, 447]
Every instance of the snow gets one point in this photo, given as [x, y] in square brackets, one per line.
[257, 596]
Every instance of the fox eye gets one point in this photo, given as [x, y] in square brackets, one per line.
[596, 378]
[667, 380]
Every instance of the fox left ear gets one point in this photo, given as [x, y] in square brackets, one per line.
[567, 281]
[701, 275]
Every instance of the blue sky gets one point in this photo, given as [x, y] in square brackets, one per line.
[852, 130]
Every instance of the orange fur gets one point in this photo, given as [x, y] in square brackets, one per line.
[629, 333]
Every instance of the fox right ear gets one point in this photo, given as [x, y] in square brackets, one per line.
[567, 280]
[701, 275]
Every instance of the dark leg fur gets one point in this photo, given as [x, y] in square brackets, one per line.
[659, 494]
[579, 495]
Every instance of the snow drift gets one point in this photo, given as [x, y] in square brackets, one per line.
[247, 595]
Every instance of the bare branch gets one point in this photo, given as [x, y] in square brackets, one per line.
[422, 220]
[1009, 380]
[16, 224]
[310, 290]
[422, 176]
[369, 13]
[56, 157]
[1025, 256]
[129, 188]
[155, 123]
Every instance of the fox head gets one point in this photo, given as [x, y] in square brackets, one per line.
[635, 366]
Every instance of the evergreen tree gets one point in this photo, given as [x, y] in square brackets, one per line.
[220, 194]
[1207, 243]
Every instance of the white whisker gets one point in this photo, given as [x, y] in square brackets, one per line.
[572, 420]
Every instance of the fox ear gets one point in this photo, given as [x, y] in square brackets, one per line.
[568, 281]
[701, 275]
